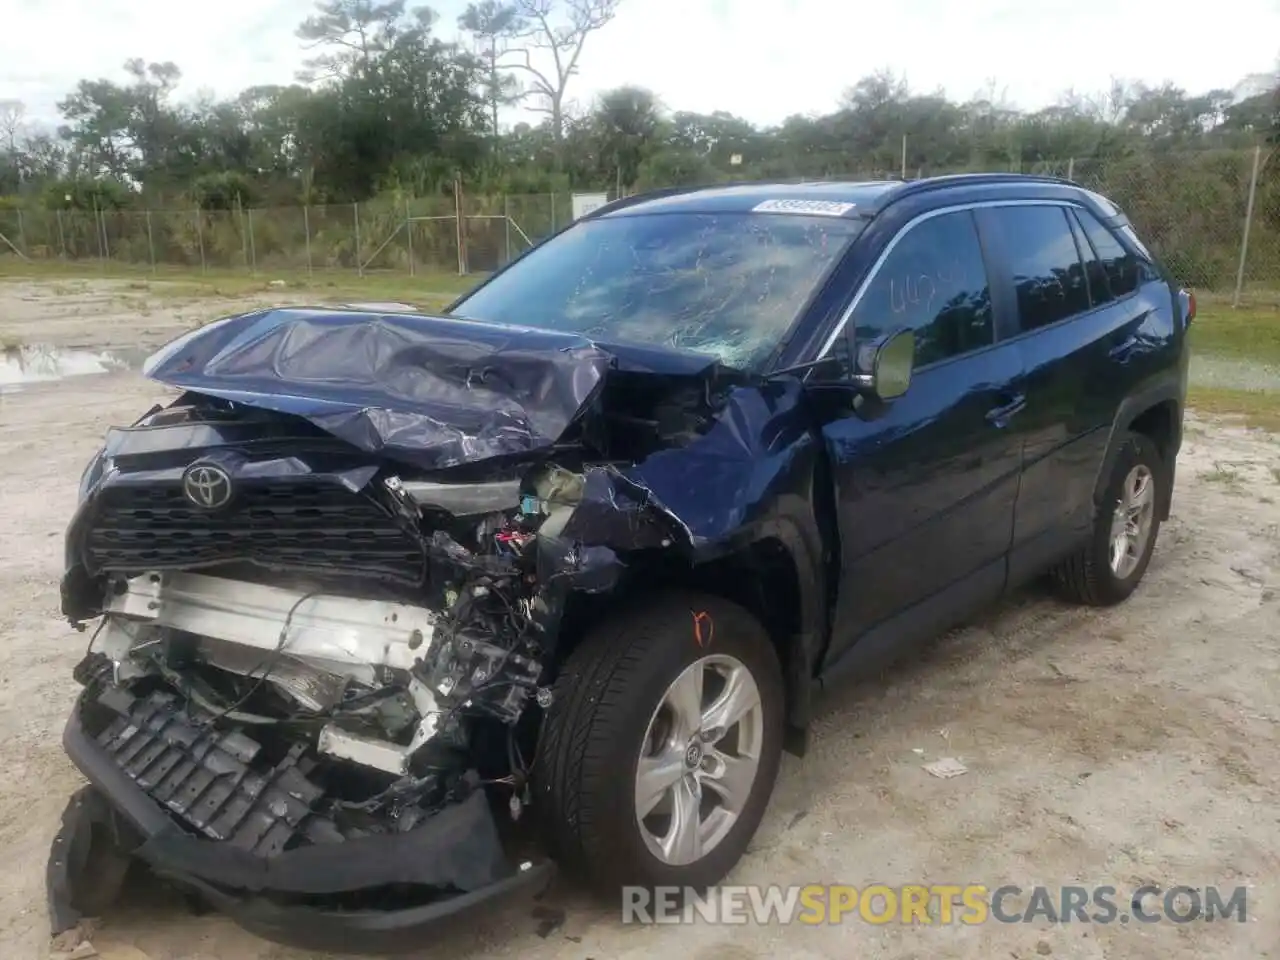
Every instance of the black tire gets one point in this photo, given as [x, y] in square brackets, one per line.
[609, 688]
[1087, 576]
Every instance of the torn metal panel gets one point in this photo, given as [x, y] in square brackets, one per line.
[618, 512]
[436, 392]
[753, 452]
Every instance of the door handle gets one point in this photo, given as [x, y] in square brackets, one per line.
[999, 416]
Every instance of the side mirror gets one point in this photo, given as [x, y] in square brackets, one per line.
[884, 365]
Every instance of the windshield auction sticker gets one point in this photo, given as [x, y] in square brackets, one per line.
[824, 208]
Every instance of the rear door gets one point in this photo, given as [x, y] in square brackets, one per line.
[925, 486]
[1079, 322]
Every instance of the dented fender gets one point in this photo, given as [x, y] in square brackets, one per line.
[754, 477]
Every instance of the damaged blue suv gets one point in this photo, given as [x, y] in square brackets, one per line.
[392, 613]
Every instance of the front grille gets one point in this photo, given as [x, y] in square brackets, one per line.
[302, 526]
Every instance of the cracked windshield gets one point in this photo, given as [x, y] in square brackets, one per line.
[725, 284]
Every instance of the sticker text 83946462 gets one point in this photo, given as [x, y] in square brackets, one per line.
[825, 208]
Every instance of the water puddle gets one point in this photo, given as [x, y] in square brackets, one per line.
[26, 364]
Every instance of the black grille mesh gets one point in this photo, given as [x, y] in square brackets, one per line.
[284, 526]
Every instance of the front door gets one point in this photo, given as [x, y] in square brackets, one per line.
[925, 491]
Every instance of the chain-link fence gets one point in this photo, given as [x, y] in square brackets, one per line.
[1192, 209]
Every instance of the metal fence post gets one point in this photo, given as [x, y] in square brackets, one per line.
[151, 245]
[22, 234]
[253, 247]
[306, 230]
[355, 214]
[100, 233]
[1071, 168]
[244, 234]
[1248, 222]
[200, 239]
[62, 237]
[553, 212]
[408, 229]
[457, 217]
[506, 223]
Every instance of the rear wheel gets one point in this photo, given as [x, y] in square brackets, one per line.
[1110, 567]
[662, 744]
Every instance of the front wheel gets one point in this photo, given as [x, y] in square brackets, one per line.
[662, 744]
[1111, 566]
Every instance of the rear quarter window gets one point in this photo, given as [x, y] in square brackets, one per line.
[1125, 270]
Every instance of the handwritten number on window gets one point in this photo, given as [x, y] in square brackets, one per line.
[911, 291]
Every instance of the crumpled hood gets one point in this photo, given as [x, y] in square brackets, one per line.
[433, 391]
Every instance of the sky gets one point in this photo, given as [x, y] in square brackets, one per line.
[760, 59]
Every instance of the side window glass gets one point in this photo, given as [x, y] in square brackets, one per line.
[934, 282]
[1124, 270]
[1047, 273]
[1095, 273]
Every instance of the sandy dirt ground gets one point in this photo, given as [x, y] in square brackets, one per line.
[1129, 746]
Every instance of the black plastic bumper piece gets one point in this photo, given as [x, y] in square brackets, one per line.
[457, 850]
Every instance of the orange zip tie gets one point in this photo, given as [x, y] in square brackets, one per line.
[699, 618]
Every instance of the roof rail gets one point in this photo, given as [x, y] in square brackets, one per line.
[905, 188]
[660, 192]
[911, 187]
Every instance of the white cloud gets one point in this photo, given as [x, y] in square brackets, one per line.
[47, 46]
[762, 59]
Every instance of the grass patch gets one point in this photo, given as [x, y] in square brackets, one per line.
[428, 290]
[1257, 408]
[1247, 333]
[1226, 476]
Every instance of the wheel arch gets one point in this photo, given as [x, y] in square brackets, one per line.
[762, 576]
[1157, 415]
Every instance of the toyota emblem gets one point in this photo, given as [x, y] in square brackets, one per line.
[207, 486]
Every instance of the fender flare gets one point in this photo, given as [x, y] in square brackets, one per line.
[1129, 410]
[804, 648]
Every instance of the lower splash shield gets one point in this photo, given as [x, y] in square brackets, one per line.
[262, 857]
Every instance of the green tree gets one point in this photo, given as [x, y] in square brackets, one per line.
[625, 125]
[490, 23]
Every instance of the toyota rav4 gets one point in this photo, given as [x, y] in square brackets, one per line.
[390, 613]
